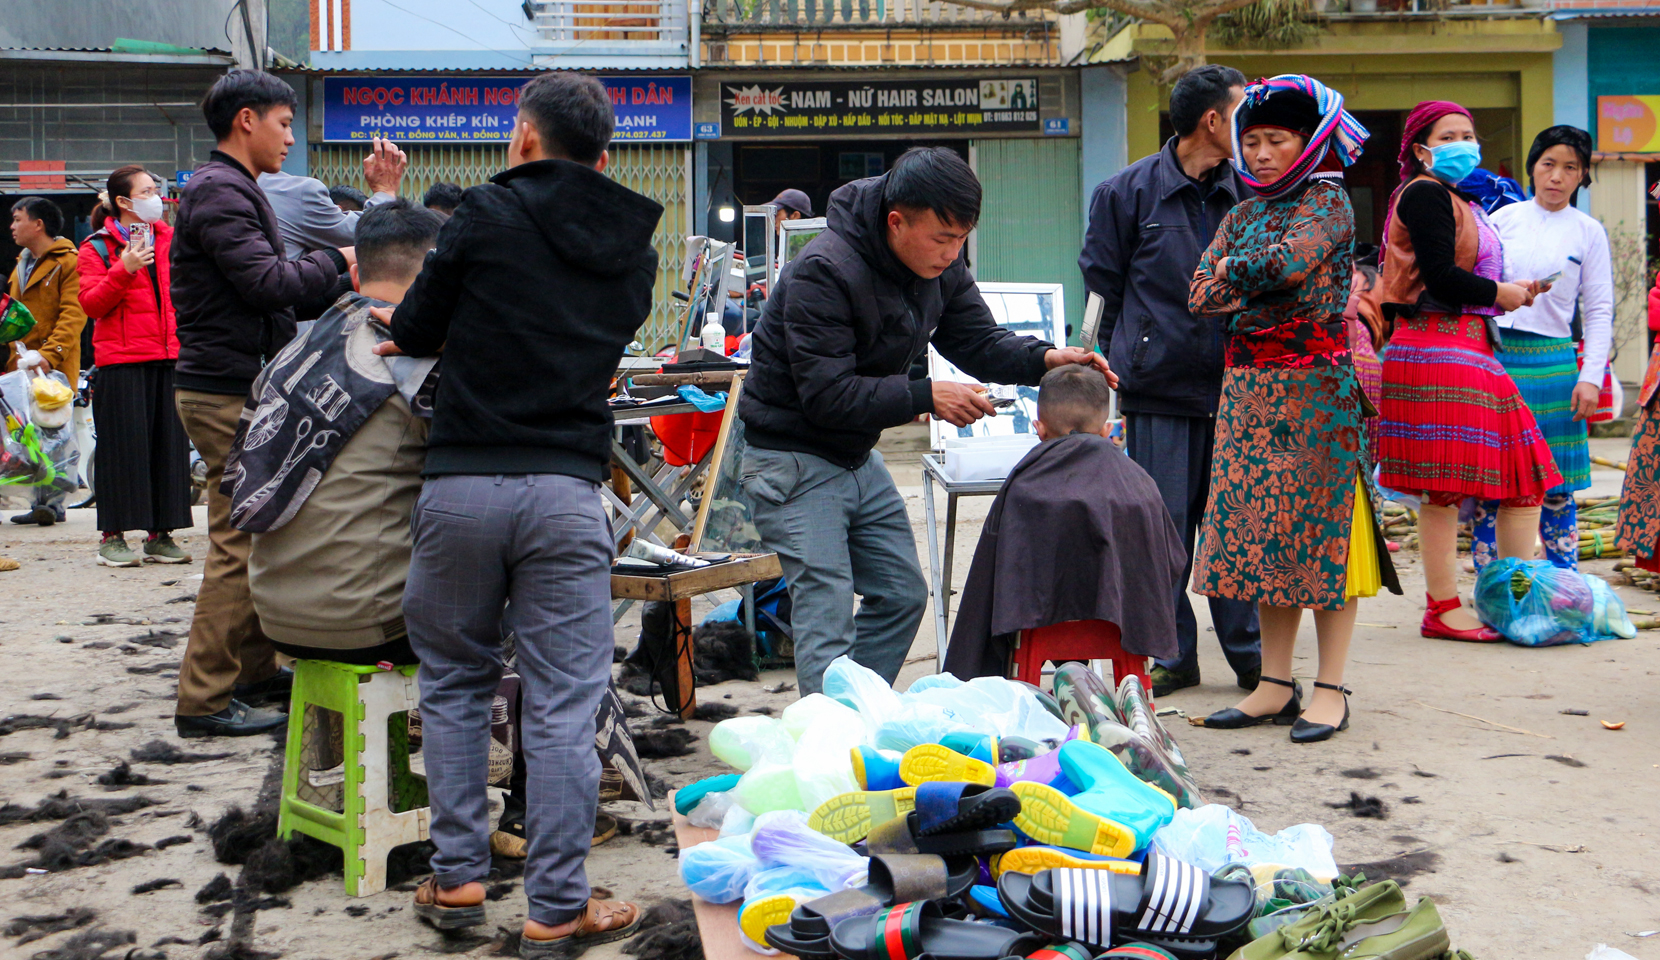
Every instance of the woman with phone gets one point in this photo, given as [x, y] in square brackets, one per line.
[1453, 425]
[142, 460]
[1548, 237]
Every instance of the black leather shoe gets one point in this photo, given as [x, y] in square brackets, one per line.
[277, 687]
[1234, 718]
[1305, 732]
[236, 720]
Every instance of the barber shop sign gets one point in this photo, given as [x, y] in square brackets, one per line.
[482, 109]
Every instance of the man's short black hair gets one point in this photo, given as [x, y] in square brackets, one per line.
[937, 179]
[44, 210]
[347, 198]
[572, 113]
[243, 88]
[1073, 399]
[1200, 91]
[443, 197]
[393, 240]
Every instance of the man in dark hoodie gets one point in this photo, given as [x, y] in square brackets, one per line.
[555, 259]
[851, 313]
[234, 292]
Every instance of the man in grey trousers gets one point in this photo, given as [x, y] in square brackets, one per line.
[829, 373]
[538, 283]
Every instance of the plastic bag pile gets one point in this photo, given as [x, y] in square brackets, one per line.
[37, 444]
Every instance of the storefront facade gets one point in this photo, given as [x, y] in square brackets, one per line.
[455, 126]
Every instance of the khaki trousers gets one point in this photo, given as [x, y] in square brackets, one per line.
[227, 646]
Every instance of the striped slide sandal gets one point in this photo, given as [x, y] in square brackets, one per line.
[1172, 905]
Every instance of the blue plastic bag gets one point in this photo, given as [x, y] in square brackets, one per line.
[1535, 604]
[719, 870]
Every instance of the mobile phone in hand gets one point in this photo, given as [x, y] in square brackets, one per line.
[139, 235]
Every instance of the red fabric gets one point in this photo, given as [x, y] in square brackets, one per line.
[686, 437]
[1654, 305]
[122, 306]
[1651, 563]
[1453, 420]
[1440, 498]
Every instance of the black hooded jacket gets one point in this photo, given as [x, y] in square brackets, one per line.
[538, 283]
[831, 353]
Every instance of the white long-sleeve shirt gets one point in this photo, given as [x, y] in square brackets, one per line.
[1537, 243]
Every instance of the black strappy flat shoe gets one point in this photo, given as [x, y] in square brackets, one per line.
[1305, 732]
[1234, 718]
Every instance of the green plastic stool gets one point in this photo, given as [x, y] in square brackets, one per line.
[383, 804]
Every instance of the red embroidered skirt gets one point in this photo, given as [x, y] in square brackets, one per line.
[1452, 419]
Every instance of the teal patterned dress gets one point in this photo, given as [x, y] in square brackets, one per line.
[1289, 430]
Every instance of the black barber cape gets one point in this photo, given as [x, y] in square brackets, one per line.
[1078, 532]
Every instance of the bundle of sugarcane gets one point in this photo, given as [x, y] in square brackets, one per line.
[1598, 545]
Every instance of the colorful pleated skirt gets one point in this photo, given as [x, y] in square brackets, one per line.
[1546, 370]
[1453, 421]
[1638, 530]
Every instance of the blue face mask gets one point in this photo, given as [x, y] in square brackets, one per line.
[1453, 162]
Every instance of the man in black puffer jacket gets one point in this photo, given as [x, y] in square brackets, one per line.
[538, 283]
[850, 315]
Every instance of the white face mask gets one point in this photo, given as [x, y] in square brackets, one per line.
[147, 209]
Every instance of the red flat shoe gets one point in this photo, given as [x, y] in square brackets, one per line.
[1435, 629]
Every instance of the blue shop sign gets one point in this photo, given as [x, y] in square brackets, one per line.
[1057, 127]
[481, 109]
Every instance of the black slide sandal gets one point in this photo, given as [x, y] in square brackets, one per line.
[894, 878]
[910, 930]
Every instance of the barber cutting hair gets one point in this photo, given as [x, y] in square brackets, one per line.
[851, 314]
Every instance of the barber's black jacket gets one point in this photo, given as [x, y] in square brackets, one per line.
[840, 332]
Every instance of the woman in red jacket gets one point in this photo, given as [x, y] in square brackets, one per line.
[142, 460]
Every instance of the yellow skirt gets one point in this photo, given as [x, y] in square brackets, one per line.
[1364, 579]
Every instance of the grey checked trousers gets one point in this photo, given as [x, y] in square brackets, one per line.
[837, 533]
[539, 545]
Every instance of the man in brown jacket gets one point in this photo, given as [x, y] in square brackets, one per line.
[47, 281]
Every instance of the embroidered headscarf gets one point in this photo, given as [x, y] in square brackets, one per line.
[1328, 130]
[1422, 117]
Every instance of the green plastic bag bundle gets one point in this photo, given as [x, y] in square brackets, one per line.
[15, 319]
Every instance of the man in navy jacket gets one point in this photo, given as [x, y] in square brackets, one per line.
[1148, 226]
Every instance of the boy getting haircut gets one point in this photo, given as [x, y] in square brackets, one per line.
[1072, 399]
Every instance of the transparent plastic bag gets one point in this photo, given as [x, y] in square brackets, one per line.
[803, 713]
[711, 811]
[1608, 616]
[785, 879]
[719, 870]
[1213, 836]
[769, 786]
[783, 838]
[1535, 604]
[738, 823]
[824, 756]
[33, 454]
[745, 741]
[862, 689]
[991, 705]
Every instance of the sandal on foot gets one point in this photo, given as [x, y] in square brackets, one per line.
[894, 878]
[848, 817]
[936, 762]
[909, 930]
[443, 917]
[904, 835]
[602, 921]
[1172, 905]
[1039, 858]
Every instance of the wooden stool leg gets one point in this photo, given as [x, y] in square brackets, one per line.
[686, 683]
[625, 492]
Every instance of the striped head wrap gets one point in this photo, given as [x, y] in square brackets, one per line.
[1334, 132]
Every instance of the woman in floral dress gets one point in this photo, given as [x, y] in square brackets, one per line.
[1289, 523]
[1639, 529]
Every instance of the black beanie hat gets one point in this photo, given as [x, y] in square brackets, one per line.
[1291, 109]
[1561, 135]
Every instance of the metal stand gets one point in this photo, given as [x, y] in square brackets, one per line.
[939, 569]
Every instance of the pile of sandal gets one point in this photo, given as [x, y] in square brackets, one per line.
[992, 845]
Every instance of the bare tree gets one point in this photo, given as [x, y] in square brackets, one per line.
[1188, 20]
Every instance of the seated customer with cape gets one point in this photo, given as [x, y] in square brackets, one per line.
[325, 471]
[1078, 532]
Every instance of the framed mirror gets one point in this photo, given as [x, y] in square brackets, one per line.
[760, 242]
[1029, 309]
[794, 235]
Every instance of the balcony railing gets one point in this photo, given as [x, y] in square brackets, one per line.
[615, 27]
[856, 13]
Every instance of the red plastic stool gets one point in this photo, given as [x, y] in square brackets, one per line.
[1083, 640]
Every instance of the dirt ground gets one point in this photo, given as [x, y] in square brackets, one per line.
[1534, 831]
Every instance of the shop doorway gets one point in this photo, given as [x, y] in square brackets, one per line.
[761, 171]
